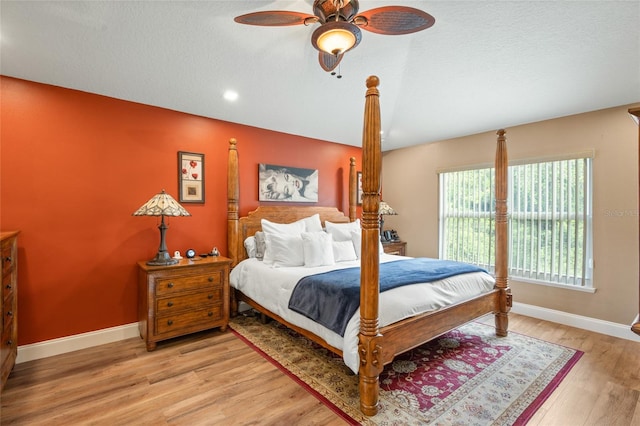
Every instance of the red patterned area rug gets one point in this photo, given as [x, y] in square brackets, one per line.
[465, 377]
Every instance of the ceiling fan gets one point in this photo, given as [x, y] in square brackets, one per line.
[340, 25]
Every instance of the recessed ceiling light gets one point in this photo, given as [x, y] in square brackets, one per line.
[230, 95]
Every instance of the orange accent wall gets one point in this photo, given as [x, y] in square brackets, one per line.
[75, 166]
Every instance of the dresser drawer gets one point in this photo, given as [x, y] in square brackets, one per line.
[189, 301]
[8, 256]
[8, 315]
[190, 319]
[7, 347]
[169, 285]
[7, 286]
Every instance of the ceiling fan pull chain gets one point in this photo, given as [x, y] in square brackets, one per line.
[339, 72]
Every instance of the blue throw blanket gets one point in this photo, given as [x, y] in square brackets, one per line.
[331, 298]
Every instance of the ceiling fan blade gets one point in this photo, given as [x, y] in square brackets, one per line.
[276, 18]
[329, 62]
[394, 20]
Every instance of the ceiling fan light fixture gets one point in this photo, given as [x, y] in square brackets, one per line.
[336, 37]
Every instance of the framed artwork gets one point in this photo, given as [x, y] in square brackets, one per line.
[191, 177]
[281, 183]
[359, 200]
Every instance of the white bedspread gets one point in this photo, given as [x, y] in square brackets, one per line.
[272, 287]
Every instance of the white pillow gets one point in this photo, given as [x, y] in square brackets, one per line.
[317, 249]
[307, 224]
[342, 231]
[259, 238]
[294, 228]
[356, 239]
[250, 246]
[312, 223]
[283, 250]
[343, 251]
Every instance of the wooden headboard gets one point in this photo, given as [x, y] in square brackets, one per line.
[250, 224]
[240, 228]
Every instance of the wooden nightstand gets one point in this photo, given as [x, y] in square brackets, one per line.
[395, 247]
[190, 296]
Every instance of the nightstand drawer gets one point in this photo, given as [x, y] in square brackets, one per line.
[189, 301]
[189, 319]
[183, 283]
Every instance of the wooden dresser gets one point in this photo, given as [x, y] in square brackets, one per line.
[9, 349]
[190, 296]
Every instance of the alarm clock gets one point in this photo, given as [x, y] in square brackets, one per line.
[190, 253]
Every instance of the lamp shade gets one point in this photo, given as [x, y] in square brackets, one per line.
[336, 37]
[161, 204]
[385, 209]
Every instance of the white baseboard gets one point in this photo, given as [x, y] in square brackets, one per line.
[586, 323]
[73, 343]
[85, 340]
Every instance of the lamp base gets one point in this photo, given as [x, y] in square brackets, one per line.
[162, 259]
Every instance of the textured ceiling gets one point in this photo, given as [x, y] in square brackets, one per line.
[482, 66]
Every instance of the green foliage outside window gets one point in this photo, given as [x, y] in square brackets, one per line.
[549, 219]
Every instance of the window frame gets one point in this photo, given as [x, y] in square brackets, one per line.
[585, 278]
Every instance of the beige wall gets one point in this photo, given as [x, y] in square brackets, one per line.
[610, 133]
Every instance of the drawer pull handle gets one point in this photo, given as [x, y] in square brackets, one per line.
[9, 342]
[170, 322]
[210, 296]
[170, 285]
[7, 259]
[169, 304]
[9, 313]
[210, 314]
[210, 279]
[9, 287]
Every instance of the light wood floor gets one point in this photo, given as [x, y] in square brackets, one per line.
[214, 378]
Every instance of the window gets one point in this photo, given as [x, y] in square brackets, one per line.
[549, 220]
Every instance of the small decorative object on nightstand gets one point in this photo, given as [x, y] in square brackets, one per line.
[395, 247]
[179, 299]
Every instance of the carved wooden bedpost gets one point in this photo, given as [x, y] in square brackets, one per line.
[353, 189]
[368, 347]
[502, 248]
[233, 191]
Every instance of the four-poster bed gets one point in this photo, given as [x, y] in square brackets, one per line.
[377, 345]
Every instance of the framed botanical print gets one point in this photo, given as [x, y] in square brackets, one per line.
[191, 177]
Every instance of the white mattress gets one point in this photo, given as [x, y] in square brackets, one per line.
[272, 287]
